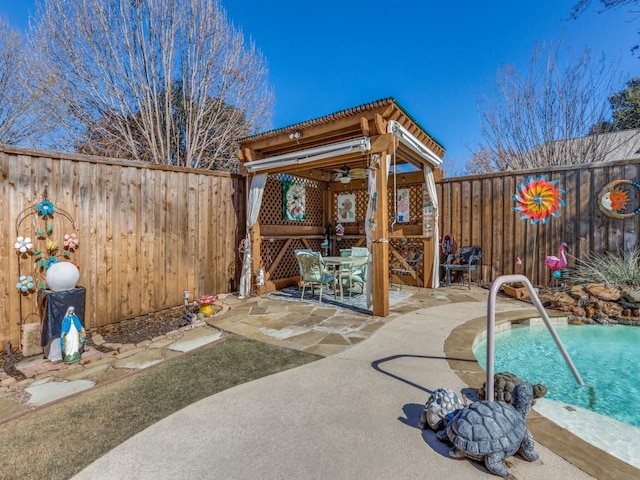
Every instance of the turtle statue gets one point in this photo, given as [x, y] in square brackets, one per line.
[503, 385]
[493, 431]
[440, 403]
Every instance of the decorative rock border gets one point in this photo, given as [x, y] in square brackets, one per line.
[596, 303]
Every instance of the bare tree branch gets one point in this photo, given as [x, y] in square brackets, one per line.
[534, 119]
[165, 81]
[582, 6]
[23, 116]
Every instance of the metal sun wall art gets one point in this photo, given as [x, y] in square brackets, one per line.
[620, 199]
[538, 200]
[294, 201]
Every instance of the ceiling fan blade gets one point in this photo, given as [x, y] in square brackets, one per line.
[358, 173]
[343, 169]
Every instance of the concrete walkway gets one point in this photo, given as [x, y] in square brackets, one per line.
[351, 415]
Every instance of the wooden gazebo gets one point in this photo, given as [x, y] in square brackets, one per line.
[345, 155]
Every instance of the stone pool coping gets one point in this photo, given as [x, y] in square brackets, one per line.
[591, 459]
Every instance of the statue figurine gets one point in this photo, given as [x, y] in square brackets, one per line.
[72, 337]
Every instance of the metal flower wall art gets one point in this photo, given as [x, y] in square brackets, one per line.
[45, 208]
[23, 245]
[71, 241]
[538, 200]
[25, 284]
[42, 248]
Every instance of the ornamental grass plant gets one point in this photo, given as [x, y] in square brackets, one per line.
[615, 269]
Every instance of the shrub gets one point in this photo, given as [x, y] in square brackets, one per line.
[614, 269]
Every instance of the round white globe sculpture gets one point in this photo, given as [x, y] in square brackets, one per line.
[62, 276]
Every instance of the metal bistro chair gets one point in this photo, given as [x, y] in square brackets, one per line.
[312, 272]
[466, 260]
[410, 265]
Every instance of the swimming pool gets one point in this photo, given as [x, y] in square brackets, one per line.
[607, 358]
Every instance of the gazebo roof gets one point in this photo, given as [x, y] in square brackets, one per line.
[338, 115]
[364, 124]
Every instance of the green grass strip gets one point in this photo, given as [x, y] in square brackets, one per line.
[37, 444]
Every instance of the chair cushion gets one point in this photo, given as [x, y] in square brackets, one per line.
[359, 252]
[466, 252]
[305, 250]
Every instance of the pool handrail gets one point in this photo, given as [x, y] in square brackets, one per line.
[491, 316]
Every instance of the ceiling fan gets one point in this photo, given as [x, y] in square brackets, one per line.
[344, 174]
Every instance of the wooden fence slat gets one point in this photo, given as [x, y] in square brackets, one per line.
[496, 226]
[7, 251]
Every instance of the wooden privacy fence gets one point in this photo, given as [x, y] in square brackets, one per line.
[479, 210]
[147, 233]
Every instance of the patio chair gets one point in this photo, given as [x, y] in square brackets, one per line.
[312, 272]
[409, 265]
[298, 250]
[467, 259]
[361, 271]
[355, 275]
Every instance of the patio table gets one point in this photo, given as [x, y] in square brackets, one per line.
[336, 267]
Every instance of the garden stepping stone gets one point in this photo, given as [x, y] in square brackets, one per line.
[46, 390]
[195, 338]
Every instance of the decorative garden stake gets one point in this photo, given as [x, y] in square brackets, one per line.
[538, 200]
[36, 254]
[557, 264]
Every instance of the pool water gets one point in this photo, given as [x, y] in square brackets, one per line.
[607, 358]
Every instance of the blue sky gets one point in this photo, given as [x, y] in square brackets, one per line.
[434, 58]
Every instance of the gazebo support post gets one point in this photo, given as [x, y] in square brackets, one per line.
[380, 243]
[256, 254]
[427, 262]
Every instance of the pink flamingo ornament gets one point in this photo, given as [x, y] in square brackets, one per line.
[556, 264]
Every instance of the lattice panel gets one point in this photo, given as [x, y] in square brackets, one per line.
[288, 266]
[361, 206]
[404, 247]
[415, 204]
[345, 243]
[271, 208]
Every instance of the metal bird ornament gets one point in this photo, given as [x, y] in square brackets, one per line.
[557, 264]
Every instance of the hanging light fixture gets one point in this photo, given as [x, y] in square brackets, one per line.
[344, 176]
